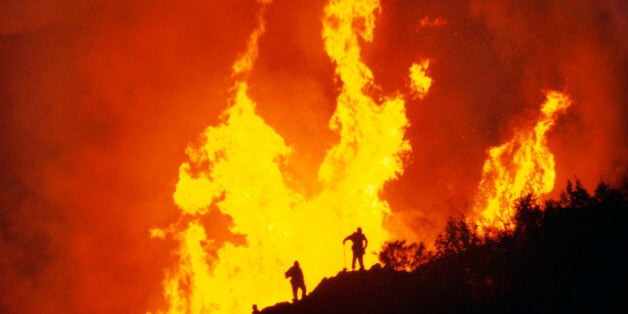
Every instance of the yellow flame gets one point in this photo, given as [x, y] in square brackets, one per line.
[419, 81]
[238, 170]
[522, 166]
[372, 143]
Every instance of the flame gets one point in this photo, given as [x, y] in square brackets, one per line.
[419, 81]
[238, 170]
[522, 166]
[372, 136]
[432, 22]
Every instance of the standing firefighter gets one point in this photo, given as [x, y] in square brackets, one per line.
[296, 280]
[359, 246]
[255, 310]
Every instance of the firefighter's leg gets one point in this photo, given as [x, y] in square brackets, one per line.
[294, 292]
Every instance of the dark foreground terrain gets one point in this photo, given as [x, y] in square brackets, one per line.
[568, 256]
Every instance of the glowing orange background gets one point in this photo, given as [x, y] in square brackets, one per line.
[100, 99]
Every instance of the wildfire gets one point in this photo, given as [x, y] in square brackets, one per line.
[522, 166]
[238, 170]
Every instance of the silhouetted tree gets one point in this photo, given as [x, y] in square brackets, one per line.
[400, 256]
[575, 197]
[528, 214]
[457, 237]
[607, 198]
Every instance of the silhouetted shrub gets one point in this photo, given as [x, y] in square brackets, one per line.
[400, 256]
[458, 237]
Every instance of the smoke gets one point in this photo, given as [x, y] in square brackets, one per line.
[100, 99]
[580, 47]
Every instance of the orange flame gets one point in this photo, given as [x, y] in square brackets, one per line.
[238, 169]
[420, 82]
[522, 166]
[432, 22]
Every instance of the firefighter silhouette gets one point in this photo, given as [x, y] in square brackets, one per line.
[296, 280]
[358, 247]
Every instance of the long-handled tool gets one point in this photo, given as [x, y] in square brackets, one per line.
[344, 257]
